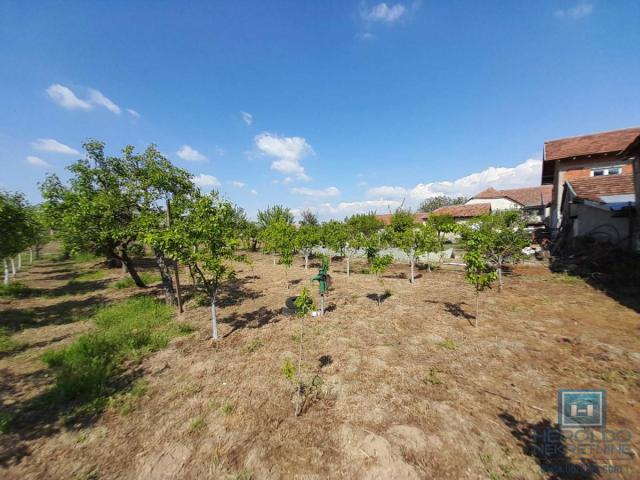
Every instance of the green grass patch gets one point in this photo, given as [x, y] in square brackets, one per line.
[433, 377]
[90, 276]
[127, 282]
[197, 424]
[14, 290]
[87, 369]
[570, 279]
[254, 345]
[5, 422]
[8, 344]
[448, 344]
[84, 257]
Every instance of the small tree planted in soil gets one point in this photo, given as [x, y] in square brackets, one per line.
[281, 237]
[304, 305]
[500, 238]
[308, 237]
[478, 271]
[204, 236]
[378, 266]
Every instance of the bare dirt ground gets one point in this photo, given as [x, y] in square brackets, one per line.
[406, 390]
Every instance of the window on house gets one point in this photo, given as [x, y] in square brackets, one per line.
[598, 172]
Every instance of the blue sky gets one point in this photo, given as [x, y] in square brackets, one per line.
[334, 105]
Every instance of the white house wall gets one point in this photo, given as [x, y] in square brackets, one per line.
[496, 203]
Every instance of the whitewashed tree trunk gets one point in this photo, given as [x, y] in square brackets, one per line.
[19, 261]
[214, 318]
[348, 265]
[274, 258]
[306, 261]
[30, 256]
[13, 267]
[499, 272]
[477, 308]
[6, 272]
[412, 264]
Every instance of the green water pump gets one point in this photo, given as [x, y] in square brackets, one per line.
[323, 280]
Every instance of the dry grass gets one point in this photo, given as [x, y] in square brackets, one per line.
[405, 390]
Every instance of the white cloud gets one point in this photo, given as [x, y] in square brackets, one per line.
[203, 180]
[253, 192]
[350, 208]
[65, 97]
[384, 13]
[288, 152]
[365, 36]
[53, 146]
[190, 154]
[524, 174]
[133, 113]
[386, 191]
[247, 118]
[238, 184]
[310, 192]
[387, 198]
[97, 98]
[579, 11]
[37, 162]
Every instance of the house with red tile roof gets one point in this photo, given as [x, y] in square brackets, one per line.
[534, 202]
[464, 212]
[584, 156]
[600, 207]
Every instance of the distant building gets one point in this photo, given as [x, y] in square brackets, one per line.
[594, 155]
[464, 212]
[534, 202]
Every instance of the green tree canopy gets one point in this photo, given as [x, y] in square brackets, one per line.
[431, 204]
[113, 202]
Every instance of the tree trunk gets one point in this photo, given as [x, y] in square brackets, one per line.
[348, 265]
[378, 299]
[477, 308]
[6, 272]
[13, 267]
[274, 258]
[306, 261]
[428, 266]
[412, 263]
[19, 261]
[499, 271]
[128, 263]
[214, 318]
[167, 281]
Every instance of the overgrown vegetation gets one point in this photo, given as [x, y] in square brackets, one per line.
[14, 290]
[86, 370]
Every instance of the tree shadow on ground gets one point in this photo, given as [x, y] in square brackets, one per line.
[235, 292]
[255, 319]
[57, 314]
[374, 297]
[456, 310]
[71, 288]
[47, 414]
[547, 445]
[613, 271]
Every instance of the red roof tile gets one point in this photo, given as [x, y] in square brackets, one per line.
[596, 143]
[464, 211]
[593, 188]
[528, 197]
